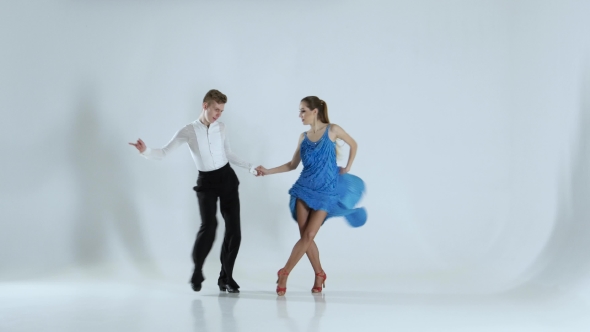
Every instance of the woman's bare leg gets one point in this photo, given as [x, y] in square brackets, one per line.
[313, 252]
[314, 221]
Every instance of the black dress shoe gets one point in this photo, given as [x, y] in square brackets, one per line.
[196, 280]
[227, 287]
[196, 286]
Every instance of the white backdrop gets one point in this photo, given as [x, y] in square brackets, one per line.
[472, 118]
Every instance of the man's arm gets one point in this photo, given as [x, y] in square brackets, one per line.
[178, 139]
[233, 158]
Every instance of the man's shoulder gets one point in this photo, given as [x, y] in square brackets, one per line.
[188, 126]
[187, 129]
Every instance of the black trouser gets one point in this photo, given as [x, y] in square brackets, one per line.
[223, 184]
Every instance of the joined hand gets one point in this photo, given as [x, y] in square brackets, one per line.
[262, 171]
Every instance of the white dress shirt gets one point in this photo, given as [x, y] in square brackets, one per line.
[209, 147]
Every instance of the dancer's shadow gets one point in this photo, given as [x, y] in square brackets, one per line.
[564, 261]
[318, 313]
[227, 302]
[314, 323]
[200, 324]
[106, 208]
[283, 314]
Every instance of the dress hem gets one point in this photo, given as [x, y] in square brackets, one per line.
[325, 209]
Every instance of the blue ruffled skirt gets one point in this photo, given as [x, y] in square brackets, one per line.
[340, 202]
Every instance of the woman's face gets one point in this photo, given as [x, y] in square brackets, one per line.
[306, 115]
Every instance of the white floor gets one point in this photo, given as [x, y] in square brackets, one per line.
[158, 306]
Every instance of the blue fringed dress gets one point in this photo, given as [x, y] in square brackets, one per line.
[322, 187]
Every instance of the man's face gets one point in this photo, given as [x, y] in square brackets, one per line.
[213, 111]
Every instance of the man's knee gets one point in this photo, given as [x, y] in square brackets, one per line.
[208, 225]
[236, 239]
[234, 234]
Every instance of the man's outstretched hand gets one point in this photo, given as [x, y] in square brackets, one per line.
[139, 145]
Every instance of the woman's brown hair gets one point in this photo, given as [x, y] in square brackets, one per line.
[314, 102]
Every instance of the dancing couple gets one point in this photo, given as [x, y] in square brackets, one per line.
[322, 191]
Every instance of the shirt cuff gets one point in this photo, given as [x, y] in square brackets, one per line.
[146, 152]
[253, 170]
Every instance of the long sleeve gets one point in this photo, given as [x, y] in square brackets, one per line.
[232, 156]
[177, 140]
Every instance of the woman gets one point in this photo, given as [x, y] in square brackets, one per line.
[323, 190]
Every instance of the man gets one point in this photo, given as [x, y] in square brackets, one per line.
[209, 146]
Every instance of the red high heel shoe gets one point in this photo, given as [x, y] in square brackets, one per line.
[282, 290]
[318, 289]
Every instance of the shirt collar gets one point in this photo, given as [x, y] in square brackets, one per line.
[213, 125]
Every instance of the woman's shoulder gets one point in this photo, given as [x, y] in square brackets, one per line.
[334, 127]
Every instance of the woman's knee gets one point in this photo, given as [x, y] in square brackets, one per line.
[308, 235]
[301, 230]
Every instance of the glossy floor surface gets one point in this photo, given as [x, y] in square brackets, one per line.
[159, 306]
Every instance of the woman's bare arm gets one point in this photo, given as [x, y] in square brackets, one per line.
[340, 133]
[289, 166]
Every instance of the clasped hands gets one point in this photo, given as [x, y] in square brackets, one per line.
[261, 171]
